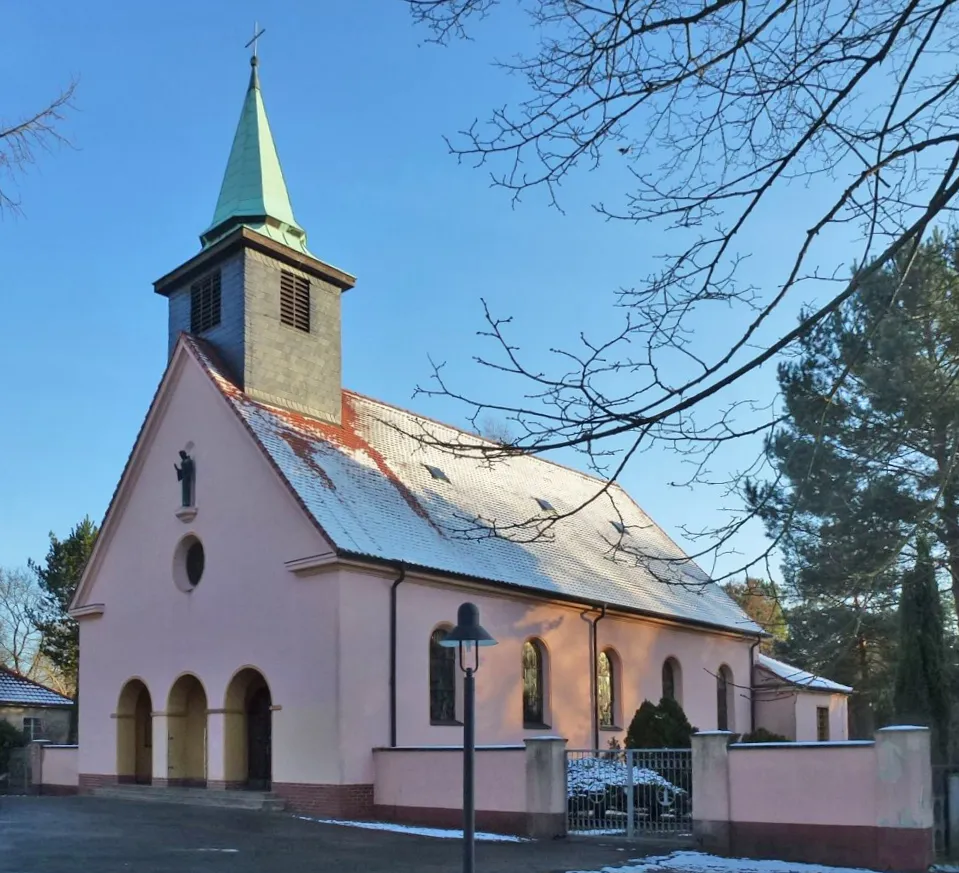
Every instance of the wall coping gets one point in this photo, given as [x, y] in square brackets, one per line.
[810, 744]
[509, 748]
[61, 746]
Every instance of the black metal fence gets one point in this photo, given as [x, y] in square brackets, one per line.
[629, 792]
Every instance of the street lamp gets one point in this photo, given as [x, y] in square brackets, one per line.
[468, 636]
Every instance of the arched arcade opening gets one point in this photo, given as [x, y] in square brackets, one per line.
[135, 734]
[248, 731]
[186, 727]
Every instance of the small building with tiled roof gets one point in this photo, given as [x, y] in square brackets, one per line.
[282, 558]
[40, 713]
[799, 705]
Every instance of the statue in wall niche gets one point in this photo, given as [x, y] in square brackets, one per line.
[186, 476]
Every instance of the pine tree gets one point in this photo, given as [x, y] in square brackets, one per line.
[58, 576]
[863, 459]
[760, 599]
[921, 680]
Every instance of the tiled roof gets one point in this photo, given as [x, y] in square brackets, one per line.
[16, 690]
[368, 487]
[795, 676]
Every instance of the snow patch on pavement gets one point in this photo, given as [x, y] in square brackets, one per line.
[698, 862]
[436, 833]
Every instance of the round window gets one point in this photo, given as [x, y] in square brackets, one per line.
[194, 563]
[188, 563]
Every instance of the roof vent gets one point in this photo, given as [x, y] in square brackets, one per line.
[437, 473]
[619, 527]
[546, 506]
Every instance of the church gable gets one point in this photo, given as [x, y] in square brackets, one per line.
[195, 475]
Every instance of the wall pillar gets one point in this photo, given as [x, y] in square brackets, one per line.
[160, 737]
[546, 787]
[711, 791]
[35, 766]
[904, 806]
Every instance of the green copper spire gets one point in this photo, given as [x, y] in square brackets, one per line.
[253, 192]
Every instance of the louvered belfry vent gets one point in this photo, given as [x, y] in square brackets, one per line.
[295, 301]
[205, 303]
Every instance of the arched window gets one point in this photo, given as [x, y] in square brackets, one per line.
[607, 679]
[442, 680]
[672, 680]
[534, 686]
[724, 693]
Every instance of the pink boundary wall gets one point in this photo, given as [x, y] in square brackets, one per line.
[53, 769]
[865, 804]
[519, 789]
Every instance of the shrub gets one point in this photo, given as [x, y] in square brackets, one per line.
[761, 735]
[660, 727]
[10, 738]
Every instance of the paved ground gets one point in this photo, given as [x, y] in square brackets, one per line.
[96, 835]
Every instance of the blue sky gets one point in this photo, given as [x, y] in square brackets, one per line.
[358, 104]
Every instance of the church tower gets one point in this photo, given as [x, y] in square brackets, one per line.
[255, 292]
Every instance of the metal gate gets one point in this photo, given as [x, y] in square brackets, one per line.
[630, 792]
[942, 776]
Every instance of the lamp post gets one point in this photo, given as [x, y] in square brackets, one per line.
[468, 636]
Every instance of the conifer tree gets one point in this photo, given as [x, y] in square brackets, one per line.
[921, 673]
[859, 468]
[58, 576]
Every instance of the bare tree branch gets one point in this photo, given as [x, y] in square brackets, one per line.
[21, 140]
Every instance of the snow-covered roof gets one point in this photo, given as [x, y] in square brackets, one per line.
[16, 690]
[367, 485]
[795, 676]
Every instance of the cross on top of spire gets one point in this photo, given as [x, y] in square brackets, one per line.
[257, 33]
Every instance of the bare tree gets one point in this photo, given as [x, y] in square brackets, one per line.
[22, 139]
[721, 110]
[19, 637]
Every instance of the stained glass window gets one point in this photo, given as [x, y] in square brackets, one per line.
[442, 679]
[723, 685]
[533, 710]
[669, 679]
[606, 690]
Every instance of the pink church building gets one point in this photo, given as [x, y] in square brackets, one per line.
[281, 558]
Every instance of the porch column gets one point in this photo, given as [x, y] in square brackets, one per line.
[215, 749]
[160, 737]
[711, 791]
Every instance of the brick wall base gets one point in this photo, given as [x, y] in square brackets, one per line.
[494, 821]
[905, 850]
[328, 801]
[88, 781]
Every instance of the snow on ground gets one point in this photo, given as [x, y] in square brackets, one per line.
[437, 833]
[698, 862]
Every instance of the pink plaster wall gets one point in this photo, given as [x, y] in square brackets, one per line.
[777, 713]
[809, 784]
[247, 610]
[434, 779]
[59, 765]
[807, 702]
[641, 647]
